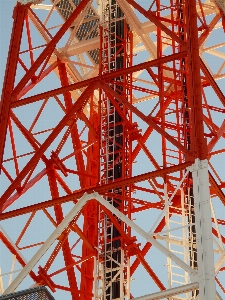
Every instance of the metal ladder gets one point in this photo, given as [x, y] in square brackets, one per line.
[181, 242]
[111, 263]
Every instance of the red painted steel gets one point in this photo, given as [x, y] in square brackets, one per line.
[19, 15]
[66, 160]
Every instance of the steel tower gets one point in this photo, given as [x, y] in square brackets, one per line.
[112, 150]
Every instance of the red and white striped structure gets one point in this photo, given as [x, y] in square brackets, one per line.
[112, 150]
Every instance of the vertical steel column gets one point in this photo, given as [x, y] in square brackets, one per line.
[19, 14]
[203, 225]
[204, 241]
[187, 138]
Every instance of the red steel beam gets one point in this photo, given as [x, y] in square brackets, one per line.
[99, 189]
[27, 135]
[157, 281]
[74, 131]
[198, 141]
[18, 194]
[19, 258]
[76, 106]
[50, 47]
[32, 84]
[19, 14]
[130, 241]
[90, 224]
[216, 188]
[105, 78]
[65, 247]
[149, 15]
[212, 82]
[209, 29]
[148, 245]
[148, 119]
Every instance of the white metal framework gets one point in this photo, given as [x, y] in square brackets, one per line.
[203, 277]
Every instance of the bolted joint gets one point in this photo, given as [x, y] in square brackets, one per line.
[24, 2]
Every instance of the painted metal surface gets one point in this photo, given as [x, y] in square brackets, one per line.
[67, 101]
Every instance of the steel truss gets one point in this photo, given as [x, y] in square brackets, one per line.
[112, 149]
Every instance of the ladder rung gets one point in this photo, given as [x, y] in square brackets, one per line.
[180, 282]
[175, 222]
[174, 251]
[176, 267]
[179, 275]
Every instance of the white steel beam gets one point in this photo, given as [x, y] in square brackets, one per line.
[171, 292]
[76, 25]
[1, 283]
[203, 225]
[42, 6]
[42, 250]
[24, 2]
[218, 297]
[137, 27]
[220, 4]
[82, 46]
[219, 263]
[181, 243]
[193, 273]
[205, 276]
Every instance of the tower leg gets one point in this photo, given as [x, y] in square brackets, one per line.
[204, 241]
